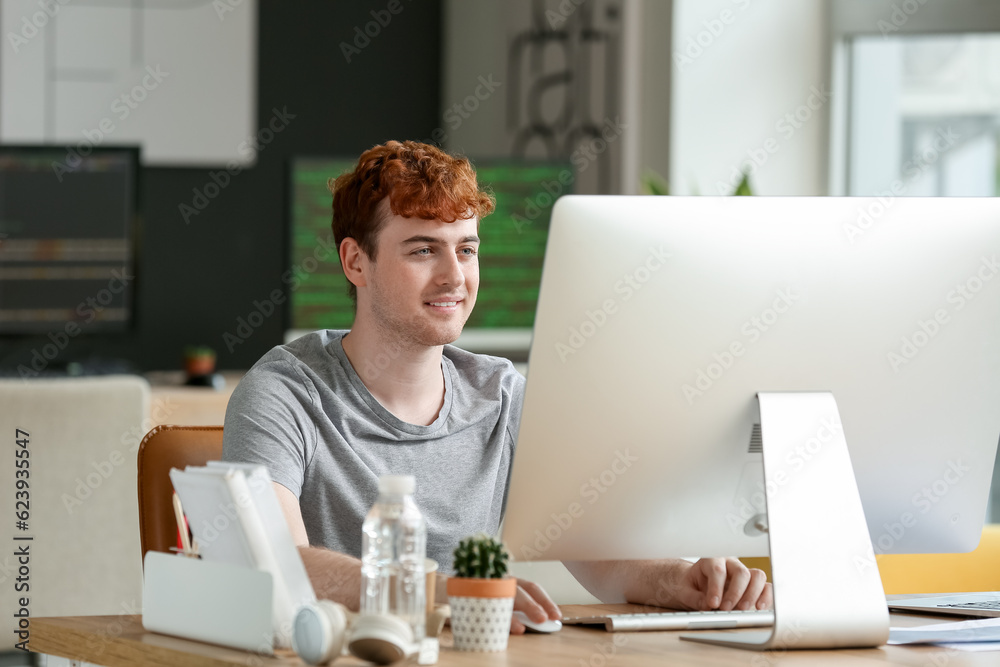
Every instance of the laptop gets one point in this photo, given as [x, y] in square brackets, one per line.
[981, 605]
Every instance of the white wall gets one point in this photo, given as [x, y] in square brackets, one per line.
[758, 62]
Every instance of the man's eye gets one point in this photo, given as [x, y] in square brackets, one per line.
[469, 251]
[423, 251]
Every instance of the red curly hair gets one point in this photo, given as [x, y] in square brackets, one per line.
[420, 181]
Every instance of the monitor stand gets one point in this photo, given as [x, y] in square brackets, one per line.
[826, 593]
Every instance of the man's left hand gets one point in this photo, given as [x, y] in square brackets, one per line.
[721, 583]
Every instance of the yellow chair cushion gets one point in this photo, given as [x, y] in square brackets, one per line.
[978, 570]
[945, 573]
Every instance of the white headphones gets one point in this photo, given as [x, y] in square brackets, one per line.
[381, 639]
[321, 628]
[318, 631]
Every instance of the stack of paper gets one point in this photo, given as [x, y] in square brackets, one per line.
[978, 635]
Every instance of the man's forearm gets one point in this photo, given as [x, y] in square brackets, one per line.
[334, 576]
[649, 582]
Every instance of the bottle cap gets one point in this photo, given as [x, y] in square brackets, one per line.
[398, 484]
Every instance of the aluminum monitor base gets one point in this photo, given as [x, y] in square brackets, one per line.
[817, 534]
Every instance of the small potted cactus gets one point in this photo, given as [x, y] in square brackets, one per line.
[481, 595]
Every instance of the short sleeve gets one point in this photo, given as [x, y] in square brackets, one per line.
[269, 422]
[516, 405]
[513, 427]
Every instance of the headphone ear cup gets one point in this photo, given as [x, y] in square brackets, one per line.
[382, 639]
[319, 631]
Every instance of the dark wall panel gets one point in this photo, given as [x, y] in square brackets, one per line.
[198, 277]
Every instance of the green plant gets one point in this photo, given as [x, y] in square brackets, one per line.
[652, 183]
[743, 187]
[480, 556]
[192, 351]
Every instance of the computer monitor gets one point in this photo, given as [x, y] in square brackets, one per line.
[510, 259]
[67, 241]
[660, 319]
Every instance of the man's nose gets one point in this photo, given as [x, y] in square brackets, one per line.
[450, 272]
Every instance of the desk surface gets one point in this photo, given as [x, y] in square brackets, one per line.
[121, 640]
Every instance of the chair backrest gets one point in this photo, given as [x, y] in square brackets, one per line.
[163, 448]
[75, 479]
[933, 573]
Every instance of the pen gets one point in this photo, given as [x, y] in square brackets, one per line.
[182, 525]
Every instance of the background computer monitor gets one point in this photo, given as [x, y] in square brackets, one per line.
[659, 320]
[510, 259]
[67, 240]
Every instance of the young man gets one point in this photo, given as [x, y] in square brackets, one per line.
[332, 411]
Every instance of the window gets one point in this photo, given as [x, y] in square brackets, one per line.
[924, 115]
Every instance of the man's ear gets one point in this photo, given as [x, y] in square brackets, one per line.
[354, 261]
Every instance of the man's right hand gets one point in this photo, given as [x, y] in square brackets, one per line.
[535, 603]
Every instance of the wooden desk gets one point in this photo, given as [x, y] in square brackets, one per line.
[115, 641]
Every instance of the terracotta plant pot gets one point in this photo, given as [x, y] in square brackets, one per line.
[199, 366]
[480, 612]
[199, 361]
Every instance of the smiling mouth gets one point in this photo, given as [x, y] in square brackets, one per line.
[443, 304]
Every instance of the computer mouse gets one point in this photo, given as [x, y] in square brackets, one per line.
[547, 626]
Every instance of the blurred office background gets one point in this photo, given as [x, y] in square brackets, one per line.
[241, 109]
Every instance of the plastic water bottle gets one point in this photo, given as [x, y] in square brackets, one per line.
[393, 547]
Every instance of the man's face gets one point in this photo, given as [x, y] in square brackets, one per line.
[422, 286]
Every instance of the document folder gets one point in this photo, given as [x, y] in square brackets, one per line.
[219, 603]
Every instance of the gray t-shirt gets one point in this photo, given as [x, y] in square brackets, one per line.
[303, 412]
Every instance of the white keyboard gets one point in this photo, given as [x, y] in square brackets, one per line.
[678, 620]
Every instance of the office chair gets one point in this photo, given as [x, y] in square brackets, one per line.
[933, 573]
[945, 573]
[75, 480]
[163, 448]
